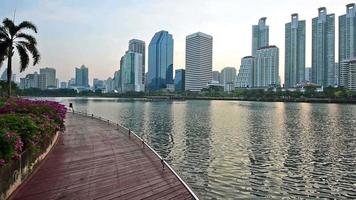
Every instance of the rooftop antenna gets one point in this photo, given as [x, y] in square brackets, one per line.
[14, 13]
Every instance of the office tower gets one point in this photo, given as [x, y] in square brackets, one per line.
[245, 77]
[131, 72]
[198, 61]
[294, 52]
[4, 76]
[117, 80]
[337, 73]
[179, 80]
[266, 68]
[160, 61]
[50, 74]
[71, 83]
[216, 77]
[260, 35]
[347, 33]
[308, 74]
[139, 46]
[63, 85]
[82, 77]
[109, 83]
[228, 76]
[98, 84]
[348, 74]
[323, 48]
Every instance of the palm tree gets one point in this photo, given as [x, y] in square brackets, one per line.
[13, 37]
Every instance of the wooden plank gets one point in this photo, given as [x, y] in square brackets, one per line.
[94, 160]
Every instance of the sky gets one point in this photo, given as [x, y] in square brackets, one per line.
[96, 32]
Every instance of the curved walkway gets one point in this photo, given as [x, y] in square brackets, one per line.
[94, 160]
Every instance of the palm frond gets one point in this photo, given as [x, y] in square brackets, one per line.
[3, 51]
[3, 33]
[24, 59]
[30, 39]
[33, 50]
[26, 25]
[9, 25]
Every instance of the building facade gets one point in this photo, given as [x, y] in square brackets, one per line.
[260, 35]
[216, 77]
[131, 73]
[198, 61]
[82, 77]
[244, 78]
[50, 74]
[308, 75]
[294, 52]
[266, 70]
[347, 33]
[160, 61]
[323, 48]
[348, 74]
[139, 46]
[228, 76]
[179, 80]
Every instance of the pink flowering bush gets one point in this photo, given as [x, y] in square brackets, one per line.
[27, 124]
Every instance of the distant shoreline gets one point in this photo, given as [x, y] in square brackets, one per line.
[171, 98]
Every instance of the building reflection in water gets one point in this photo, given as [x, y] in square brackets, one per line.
[197, 141]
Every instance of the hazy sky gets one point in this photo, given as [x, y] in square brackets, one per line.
[96, 32]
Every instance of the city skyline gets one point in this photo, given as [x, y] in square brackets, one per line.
[218, 19]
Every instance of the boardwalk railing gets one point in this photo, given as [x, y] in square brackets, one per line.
[129, 131]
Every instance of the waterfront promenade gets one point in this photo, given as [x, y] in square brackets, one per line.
[97, 160]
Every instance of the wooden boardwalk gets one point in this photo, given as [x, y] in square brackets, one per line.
[94, 160]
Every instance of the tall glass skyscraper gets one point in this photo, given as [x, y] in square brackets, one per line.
[294, 52]
[131, 72]
[347, 34]
[160, 61]
[179, 81]
[82, 77]
[323, 48]
[198, 61]
[260, 35]
[139, 46]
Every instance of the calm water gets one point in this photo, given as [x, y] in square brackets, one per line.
[230, 149]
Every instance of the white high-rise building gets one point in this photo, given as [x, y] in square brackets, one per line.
[260, 35]
[228, 76]
[266, 70]
[50, 74]
[245, 77]
[139, 46]
[198, 61]
[348, 74]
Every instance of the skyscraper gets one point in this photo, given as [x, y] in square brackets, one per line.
[50, 74]
[160, 61]
[228, 76]
[179, 80]
[81, 77]
[348, 74]
[323, 48]
[347, 33]
[266, 68]
[139, 46]
[294, 52]
[216, 76]
[260, 35]
[198, 61]
[245, 76]
[308, 74]
[131, 72]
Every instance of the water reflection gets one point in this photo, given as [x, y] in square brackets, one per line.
[229, 150]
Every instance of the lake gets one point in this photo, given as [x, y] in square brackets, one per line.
[232, 149]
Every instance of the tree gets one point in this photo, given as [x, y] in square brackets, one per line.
[13, 37]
